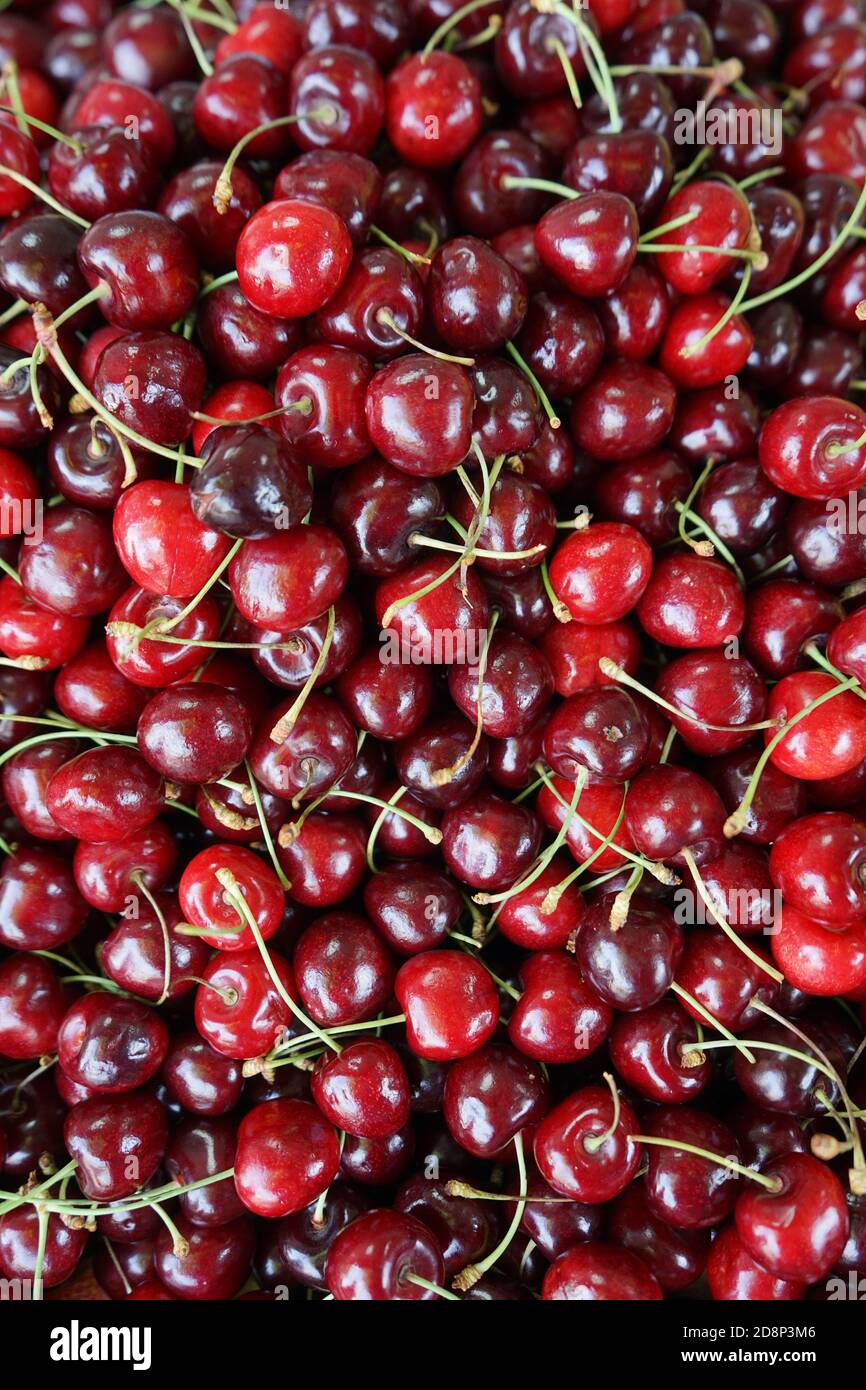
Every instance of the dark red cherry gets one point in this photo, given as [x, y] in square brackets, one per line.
[492, 1096]
[118, 1143]
[72, 567]
[515, 689]
[20, 423]
[410, 400]
[134, 955]
[188, 201]
[287, 1155]
[583, 1149]
[343, 970]
[347, 183]
[40, 906]
[317, 752]
[653, 1052]
[475, 299]
[108, 875]
[676, 1257]
[20, 1244]
[194, 733]
[558, 1018]
[148, 264]
[364, 1090]
[105, 794]
[682, 1188]
[200, 1079]
[238, 339]
[692, 601]
[798, 1232]
[111, 1044]
[305, 1238]
[634, 163]
[39, 261]
[413, 906]
[589, 242]
[734, 1277]
[216, 1265]
[338, 95]
[91, 690]
[601, 730]
[562, 340]
[626, 410]
[631, 966]
[107, 172]
[484, 202]
[373, 1257]
[488, 842]
[598, 1273]
[643, 493]
[526, 54]
[322, 390]
[34, 1003]
[25, 780]
[168, 375]
[200, 1147]
[381, 288]
[86, 463]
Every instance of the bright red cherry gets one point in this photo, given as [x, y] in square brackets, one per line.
[287, 1155]
[291, 257]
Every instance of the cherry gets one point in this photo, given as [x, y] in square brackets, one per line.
[464, 1231]
[86, 463]
[582, 1146]
[310, 264]
[804, 447]
[72, 568]
[91, 691]
[272, 34]
[40, 906]
[251, 481]
[21, 425]
[321, 392]
[147, 263]
[326, 860]
[20, 1242]
[488, 842]
[287, 1155]
[118, 1143]
[303, 1239]
[817, 959]
[764, 1135]
[512, 694]
[432, 109]
[403, 410]
[19, 153]
[832, 845]
[149, 662]
[733, 1275]
[108, 875]
[238, 339]
[601, 730]
[25, 779]
[376, 1256]
[317, 751]
[600, 573]
[389, 701]
[692, 601]
[826, 742]
[490, 1097]
[134, 955]
[596, 1273]
[34, 1003]
[649, 1048]
[486, 203]
[562, 341]
[450, 1004]
[187, 201]
[244, 92]
[199, 1078]
[625, 411]
[682, 1188]
[525, 51]
[105, 794]
[216, 1263]
[120, 1269]
[343, 971]
[558, 1018]
[238, 1009]
[418, 610]
[797, 1231]
[676, 1257]
[364, 1090]
[39, 261]
[630, 967]
[207, 897]
[778, 1081]
[194, 733]
[414, 907]
[169, 375]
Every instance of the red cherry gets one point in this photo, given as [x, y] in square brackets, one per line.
[111, 1044]
[825, 743]
[206, 904]
[450, 1003]
[375, 1255]
[692, 601]
[600, 573]
[287, 1155]
[364, 1090]
[798, 1232]
[598, 1273]
[734, 1277]
[432, 109]
[583, 1149]
[291, 257]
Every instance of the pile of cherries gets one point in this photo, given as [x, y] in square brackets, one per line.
[433, 678]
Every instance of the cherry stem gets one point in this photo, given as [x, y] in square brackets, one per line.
[138, 879]
[736, 822]
[484, 899]
[193, 39]
[722, 922]
[158, 627]
[541, 185]
[15, 310]
[601, 74]
[431, 834]
[284, 726]
[227, 880]
[560, 609]
[859, 1158]
[412, 256]
[391, 805]
[684, 175]
[593, 1142]
[543, 398]
[468, 1277]
[551, 898]
[179, 1246]
[820, 261]
[208, 17]
[47, 337]
[450, 23]
[217, 283]
[621, 904]
[835, 450]
[303, 406]
[283, 1053]
[41, 1248]
[482, 37]
[771, 1184]
[443, 775]
[568, 71]
[266, 833]
[712, 543]
[711, 1020]
[658, 871]
[616, 673]
[51, 130]
[222, 194]
[417, 1278]
[385, 317]
[92, 1209]
[820, 658]
[10, 570]
[38, 192]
